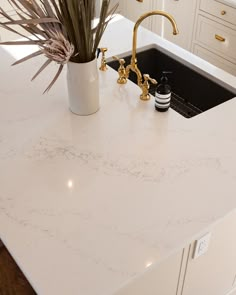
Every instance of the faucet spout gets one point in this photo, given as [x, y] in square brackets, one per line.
[124, 72]
[139, 21]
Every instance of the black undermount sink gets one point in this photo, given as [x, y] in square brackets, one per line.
[192, 93]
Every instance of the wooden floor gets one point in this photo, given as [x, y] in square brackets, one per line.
[12, 281]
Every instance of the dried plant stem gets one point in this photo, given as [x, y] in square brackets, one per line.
[63, 29]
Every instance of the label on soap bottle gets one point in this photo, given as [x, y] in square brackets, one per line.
[162, 101]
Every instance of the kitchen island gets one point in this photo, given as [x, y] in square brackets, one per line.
[90, 204]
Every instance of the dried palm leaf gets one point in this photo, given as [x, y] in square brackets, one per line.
[63, 29]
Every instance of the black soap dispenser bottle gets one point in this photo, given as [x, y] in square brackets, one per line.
[163, 94]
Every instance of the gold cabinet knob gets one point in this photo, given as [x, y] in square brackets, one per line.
[223, 12]
[139, 0]
[219, 38]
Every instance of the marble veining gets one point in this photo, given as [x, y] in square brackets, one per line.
[96, 200]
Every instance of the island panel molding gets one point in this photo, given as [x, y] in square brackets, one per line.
[218, 262]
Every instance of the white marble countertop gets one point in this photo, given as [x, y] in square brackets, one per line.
[87, 202]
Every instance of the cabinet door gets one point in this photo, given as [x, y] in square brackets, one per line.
[162, 279]
[215, 59]
[214, 273]
[133, 9]
[183, 12]
[112, 3]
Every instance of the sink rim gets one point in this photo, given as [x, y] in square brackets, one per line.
[189, 64]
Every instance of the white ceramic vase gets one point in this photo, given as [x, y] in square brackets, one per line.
[83, 87]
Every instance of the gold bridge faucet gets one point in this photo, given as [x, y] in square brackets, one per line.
[142, 80]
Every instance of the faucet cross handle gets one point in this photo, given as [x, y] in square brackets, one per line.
[148, 78]
[121, 70]
[103, 66]
[146, 86]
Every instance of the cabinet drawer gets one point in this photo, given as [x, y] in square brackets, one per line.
[216, 37]
[215, 59]
[219, 10]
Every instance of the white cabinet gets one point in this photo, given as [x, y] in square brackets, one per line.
[215, 34]
[216, 37]
[133, 9]
[163, 279]
[214, 272]
[206, 27]
[183, 12]
[157, 22]
[214, 59]
[219, 10]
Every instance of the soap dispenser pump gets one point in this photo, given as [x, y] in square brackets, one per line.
[163, 94]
